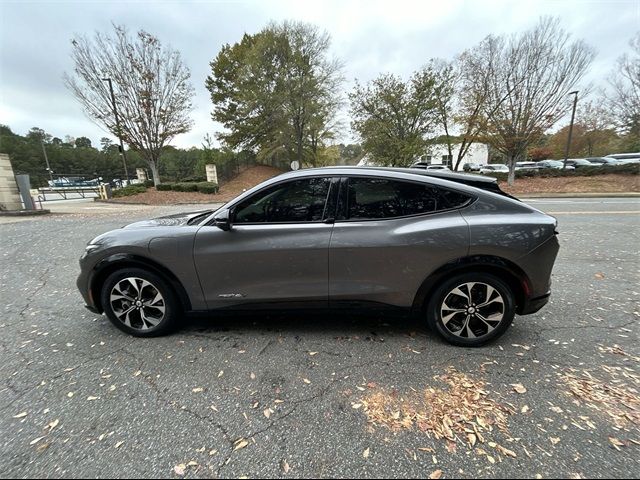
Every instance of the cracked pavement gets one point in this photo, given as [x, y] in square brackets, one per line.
[286, 384]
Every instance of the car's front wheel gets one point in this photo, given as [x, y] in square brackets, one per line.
[140, 302]
[472, 309]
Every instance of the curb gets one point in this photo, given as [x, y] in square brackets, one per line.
[579, 195]
[118, 202]
[23, 213]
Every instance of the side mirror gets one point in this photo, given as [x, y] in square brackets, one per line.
[223, 220]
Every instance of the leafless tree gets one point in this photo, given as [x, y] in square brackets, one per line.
[447, 80]
[151, 83]
[624, 98]
[529, 84]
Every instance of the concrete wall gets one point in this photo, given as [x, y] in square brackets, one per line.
[9, 195]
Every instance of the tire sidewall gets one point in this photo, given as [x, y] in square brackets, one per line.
[171, 305]
[434, 316]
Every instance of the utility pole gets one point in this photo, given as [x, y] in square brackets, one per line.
[573, 116]
[115, 113]
[46, 159]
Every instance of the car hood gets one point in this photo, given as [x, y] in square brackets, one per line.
[176, 220]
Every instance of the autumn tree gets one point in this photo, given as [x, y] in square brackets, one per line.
[153, 94]
[394, 119]
[277, 92]
[624, 95]
[529, 85]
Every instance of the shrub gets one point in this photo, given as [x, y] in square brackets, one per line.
[129, 190]
[148, 183]
[207, 187]
[195, 178]
[164, 187]
[185, 187]
[629, 169]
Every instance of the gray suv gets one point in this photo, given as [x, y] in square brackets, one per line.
[452, 248]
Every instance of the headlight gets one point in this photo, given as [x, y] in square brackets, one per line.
[91, 247]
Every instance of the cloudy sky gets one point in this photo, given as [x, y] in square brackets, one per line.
[369, 36]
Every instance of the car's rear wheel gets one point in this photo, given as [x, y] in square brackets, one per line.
[471, 309]
[140, 302]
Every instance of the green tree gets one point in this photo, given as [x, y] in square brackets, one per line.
[394, 118]
[83, 142]
[276, 92]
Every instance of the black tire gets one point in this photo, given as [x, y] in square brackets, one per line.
[504, 306]
[166, 319]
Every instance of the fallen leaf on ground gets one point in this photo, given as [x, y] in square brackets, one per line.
[616, 443]
[285, 466]
[365, 454]
[519, 388]
[240, 444]
[53, 424]
[306, 380]
[119, 444]
[91, 399]
[179, 469]
[21, 415]
[34, 441]
[198, 390]
[436, 475]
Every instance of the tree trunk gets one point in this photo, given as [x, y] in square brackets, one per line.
[153, 164]
[512, 170]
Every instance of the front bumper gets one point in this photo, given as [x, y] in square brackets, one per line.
[83, 283]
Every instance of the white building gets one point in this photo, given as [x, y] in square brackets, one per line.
[439, 155]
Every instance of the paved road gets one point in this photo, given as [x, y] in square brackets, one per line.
[97, 403]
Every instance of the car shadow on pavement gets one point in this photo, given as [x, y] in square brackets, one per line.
[326, 323]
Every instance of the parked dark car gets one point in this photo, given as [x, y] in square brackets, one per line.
[464, 258]
[579, 163]
[471, 167]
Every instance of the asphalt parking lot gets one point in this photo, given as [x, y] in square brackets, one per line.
[318, 395]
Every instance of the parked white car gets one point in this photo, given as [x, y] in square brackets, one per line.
[556, 164]
[494, 168]
[625, 157]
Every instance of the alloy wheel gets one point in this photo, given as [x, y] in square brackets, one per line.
[472, 310]
[137, 303]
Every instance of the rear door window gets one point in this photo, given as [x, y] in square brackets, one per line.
[380, 198]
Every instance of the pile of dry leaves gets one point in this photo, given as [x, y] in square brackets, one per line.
[618, 398]
[461, 413]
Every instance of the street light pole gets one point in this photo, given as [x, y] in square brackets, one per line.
[46, 159]
[573, 116]
[115, 113]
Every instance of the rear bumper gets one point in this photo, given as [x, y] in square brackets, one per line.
[533, 305]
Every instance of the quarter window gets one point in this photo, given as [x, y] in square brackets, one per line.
[297, 201]
[378, 198]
